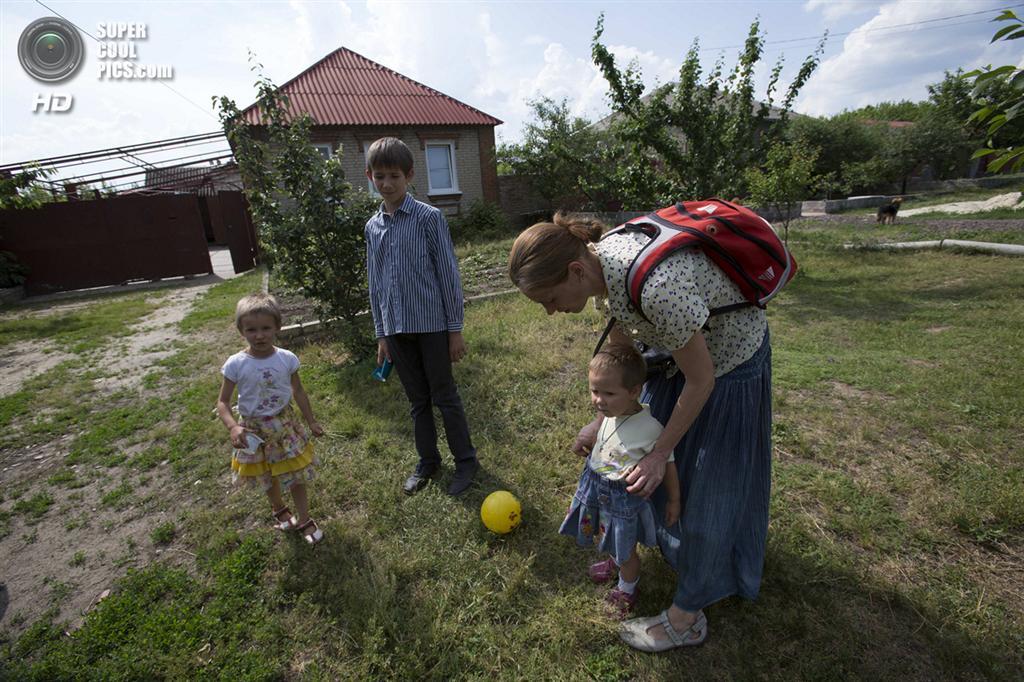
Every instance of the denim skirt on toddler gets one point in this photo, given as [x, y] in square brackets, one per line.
[603, 513]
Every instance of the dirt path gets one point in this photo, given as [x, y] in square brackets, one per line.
[68, 556]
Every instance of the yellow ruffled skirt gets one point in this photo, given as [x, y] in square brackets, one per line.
[286, 453]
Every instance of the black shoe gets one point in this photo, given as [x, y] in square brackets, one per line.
[464, 473]
[418, 480]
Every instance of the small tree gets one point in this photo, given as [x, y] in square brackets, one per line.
[695, 137]
[1001, 96]
[310, 219]
[783, 180]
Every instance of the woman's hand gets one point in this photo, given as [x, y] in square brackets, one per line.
[586, 438]
[646, 476]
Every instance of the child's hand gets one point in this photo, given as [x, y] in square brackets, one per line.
[672, 512]
[382, 352]
[238, 436]
[315, 427]
[456, 346]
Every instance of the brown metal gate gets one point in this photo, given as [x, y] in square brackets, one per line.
[101, 242]
[241, 235]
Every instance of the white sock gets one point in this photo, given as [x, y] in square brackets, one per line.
[627, 587]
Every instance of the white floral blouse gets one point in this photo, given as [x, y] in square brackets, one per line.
[677, 299]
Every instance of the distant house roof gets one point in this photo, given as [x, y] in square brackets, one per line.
[891, 124]
[774, 112]
[197, 179]
[345, 88]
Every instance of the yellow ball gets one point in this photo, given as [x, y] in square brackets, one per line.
[501, 512]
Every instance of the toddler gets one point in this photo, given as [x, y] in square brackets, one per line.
[601, 509]
[271, 445]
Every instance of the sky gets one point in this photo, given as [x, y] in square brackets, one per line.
[495, 56]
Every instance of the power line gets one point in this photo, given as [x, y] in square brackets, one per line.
[875, 30]
[200, 108]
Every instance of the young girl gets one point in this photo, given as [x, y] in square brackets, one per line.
[626, 434]
[271, 444]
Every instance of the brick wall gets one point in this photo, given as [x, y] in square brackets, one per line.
[467, 140]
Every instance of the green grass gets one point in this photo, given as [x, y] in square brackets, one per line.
[894, 548]
[82, 329]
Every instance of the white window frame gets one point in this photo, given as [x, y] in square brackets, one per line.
[431, 190]
[321, 146]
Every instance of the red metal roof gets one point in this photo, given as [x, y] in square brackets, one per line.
[345, 88]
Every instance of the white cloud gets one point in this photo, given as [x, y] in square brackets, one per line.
[876, 65]
[832, 10]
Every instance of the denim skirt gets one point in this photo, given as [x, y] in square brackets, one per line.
[724, 466]
[602, 513]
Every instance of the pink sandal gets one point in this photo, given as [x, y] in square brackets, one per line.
[603, 571]
[621, 602]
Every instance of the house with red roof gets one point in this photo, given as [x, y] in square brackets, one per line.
[354, 100]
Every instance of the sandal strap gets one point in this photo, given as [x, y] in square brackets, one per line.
[283, 511]
[694, 632]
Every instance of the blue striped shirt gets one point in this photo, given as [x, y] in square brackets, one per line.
[414, 278]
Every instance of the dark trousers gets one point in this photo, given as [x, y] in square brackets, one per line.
[425, 371]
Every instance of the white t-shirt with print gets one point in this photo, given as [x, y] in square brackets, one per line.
[677, 298]
[264, 384]
[623, 441]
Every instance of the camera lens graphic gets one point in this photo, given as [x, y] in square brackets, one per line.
[50, 49]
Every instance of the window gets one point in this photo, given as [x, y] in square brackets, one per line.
[324, 149]
[441, 173]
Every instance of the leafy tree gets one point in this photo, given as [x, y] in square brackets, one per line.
[695, 137]
[1001, 96]
[783, 180]
[904, 110]
[565, 157]
[848, 148]
[310, 219]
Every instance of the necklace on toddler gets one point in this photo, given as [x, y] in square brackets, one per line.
[619, 423]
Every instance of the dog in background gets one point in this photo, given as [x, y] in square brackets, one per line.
[887, 213]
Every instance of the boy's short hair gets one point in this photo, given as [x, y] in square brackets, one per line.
[257, 304]
[626, 359]
[389, 152]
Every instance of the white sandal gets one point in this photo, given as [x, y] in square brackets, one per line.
[635, 633]
[288, 522]
[312, 538]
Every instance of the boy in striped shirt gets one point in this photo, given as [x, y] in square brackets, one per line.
[416, 301]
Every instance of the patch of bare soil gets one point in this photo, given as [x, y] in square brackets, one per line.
[125, 363]
[91, 523]
[25, 359]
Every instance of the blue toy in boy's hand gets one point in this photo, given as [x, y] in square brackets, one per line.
[382, 372]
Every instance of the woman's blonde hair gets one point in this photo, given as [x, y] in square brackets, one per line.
[257, 304]
[541, 254]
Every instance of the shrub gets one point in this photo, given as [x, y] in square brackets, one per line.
[482, 221]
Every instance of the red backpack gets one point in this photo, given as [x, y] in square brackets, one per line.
[738, 240]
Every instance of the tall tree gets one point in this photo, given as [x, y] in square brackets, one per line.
[696, 136]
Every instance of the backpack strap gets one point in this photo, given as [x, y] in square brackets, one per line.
[604, 335]
[657, 250]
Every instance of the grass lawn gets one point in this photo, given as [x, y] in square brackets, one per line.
[896, 546]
